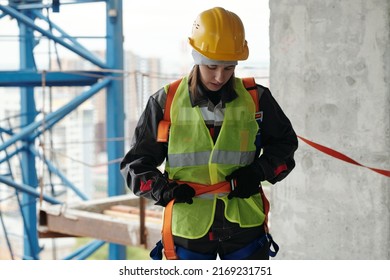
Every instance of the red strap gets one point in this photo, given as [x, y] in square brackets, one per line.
[341, 156]
[250, 85]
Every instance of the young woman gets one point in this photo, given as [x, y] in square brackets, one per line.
[224, 139]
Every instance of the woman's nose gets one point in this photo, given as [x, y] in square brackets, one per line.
[219, 76]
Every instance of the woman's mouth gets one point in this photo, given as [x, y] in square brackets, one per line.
[216, 85]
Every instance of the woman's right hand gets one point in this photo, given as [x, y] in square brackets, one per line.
[181, 193]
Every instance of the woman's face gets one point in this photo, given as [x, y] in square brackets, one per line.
[213, 77]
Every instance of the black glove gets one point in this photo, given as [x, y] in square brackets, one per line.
[180, 192]
[247, 181]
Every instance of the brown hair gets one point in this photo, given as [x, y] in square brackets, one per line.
[194, 80]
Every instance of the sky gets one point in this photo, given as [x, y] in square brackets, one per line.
[152, 28]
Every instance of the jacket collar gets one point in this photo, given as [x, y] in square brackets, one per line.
[200, 98]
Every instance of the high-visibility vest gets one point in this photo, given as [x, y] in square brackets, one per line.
[205, 160]
[192, 154]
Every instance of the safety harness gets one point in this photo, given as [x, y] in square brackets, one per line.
[167, 243]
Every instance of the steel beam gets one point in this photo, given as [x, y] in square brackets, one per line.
[115, 108]
[59, 174]
[29, 112]
[29, 190]
[31, 78]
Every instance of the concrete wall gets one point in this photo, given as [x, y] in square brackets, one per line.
[330, 71]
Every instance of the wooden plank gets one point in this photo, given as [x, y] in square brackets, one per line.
[135, 210]
[131, 216]
[99, 221]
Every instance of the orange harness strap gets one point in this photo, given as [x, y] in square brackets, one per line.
[266, 207]
[251, 87]
[167, 238]
[163, 126]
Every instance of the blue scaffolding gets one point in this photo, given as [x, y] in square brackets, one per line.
[27, 78]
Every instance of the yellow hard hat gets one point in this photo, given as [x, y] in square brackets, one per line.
[219, 34]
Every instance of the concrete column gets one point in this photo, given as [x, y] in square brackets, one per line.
[330, 71]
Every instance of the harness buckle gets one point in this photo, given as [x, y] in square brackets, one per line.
[232, 184]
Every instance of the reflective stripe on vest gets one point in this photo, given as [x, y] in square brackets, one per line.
[202, 158]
